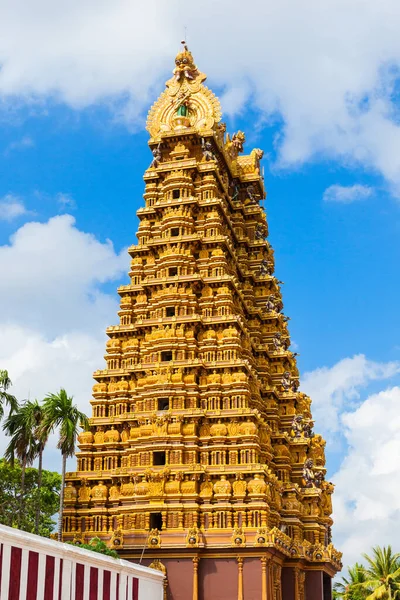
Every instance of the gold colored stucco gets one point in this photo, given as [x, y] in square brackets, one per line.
[199, 369]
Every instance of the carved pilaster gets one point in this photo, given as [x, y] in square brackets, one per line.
[264, 565]
[277, 582]
[196, 561]
[240, 577]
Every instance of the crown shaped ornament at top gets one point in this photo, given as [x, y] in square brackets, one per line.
[185, 103]
[185, 67]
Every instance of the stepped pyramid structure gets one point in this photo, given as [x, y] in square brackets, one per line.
[201, 458]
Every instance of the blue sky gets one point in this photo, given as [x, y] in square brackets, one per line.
[339, 261]
[316, 90]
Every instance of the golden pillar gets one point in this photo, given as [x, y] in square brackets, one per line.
[264, 563]
[196, 561]
[240, 578]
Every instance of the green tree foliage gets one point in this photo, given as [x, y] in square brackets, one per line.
[5, 397]
[19, 426]
[97, 545]
[379, 580]
[60, 413]
[383, 574]
[10, 496]
[346, 589]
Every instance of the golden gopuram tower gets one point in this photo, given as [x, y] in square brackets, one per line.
[201, 458]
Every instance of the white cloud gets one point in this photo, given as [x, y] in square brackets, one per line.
[40, 365]
[328, 70]
[53, 312]
[338, 388]
[347, 194]
[11, 207]
[25, 142]
[53, 274]
[366, 425]
[367, 497]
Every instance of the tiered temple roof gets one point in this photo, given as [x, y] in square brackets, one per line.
[200, 441]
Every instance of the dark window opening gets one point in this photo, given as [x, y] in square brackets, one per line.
[156, 521]
[158, 458]
[170, 312]
[176, 194]
[166, 356]
[163, 404]
[173, 271]
[175, 231]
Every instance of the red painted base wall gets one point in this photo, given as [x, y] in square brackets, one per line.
[218, 579]
[252, 578]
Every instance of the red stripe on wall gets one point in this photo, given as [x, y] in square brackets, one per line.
[15, 573]
[117, 589]
[106, 585]
[135, 588]
[1, 561]
[60, 580]
[49, 578]
[80, 573]
[94, 578]
[31, 589]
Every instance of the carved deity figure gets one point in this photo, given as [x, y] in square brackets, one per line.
[238, 140]
[277, 342]
[235, 145]
[297, 426]
[156, 157]
[264, 267]
[184, 105]
[207, 148]
[185, 67]
[251, 194]
[270, 305]
[259, 233]
[286, 381]
[308, 473]
[307, 429]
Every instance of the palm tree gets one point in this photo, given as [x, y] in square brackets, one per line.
[383, 574]
[41, 434]
[23, 445]
[5, 397]
[345, 590]
[60, 412]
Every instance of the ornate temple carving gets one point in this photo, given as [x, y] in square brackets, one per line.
[199, 437]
